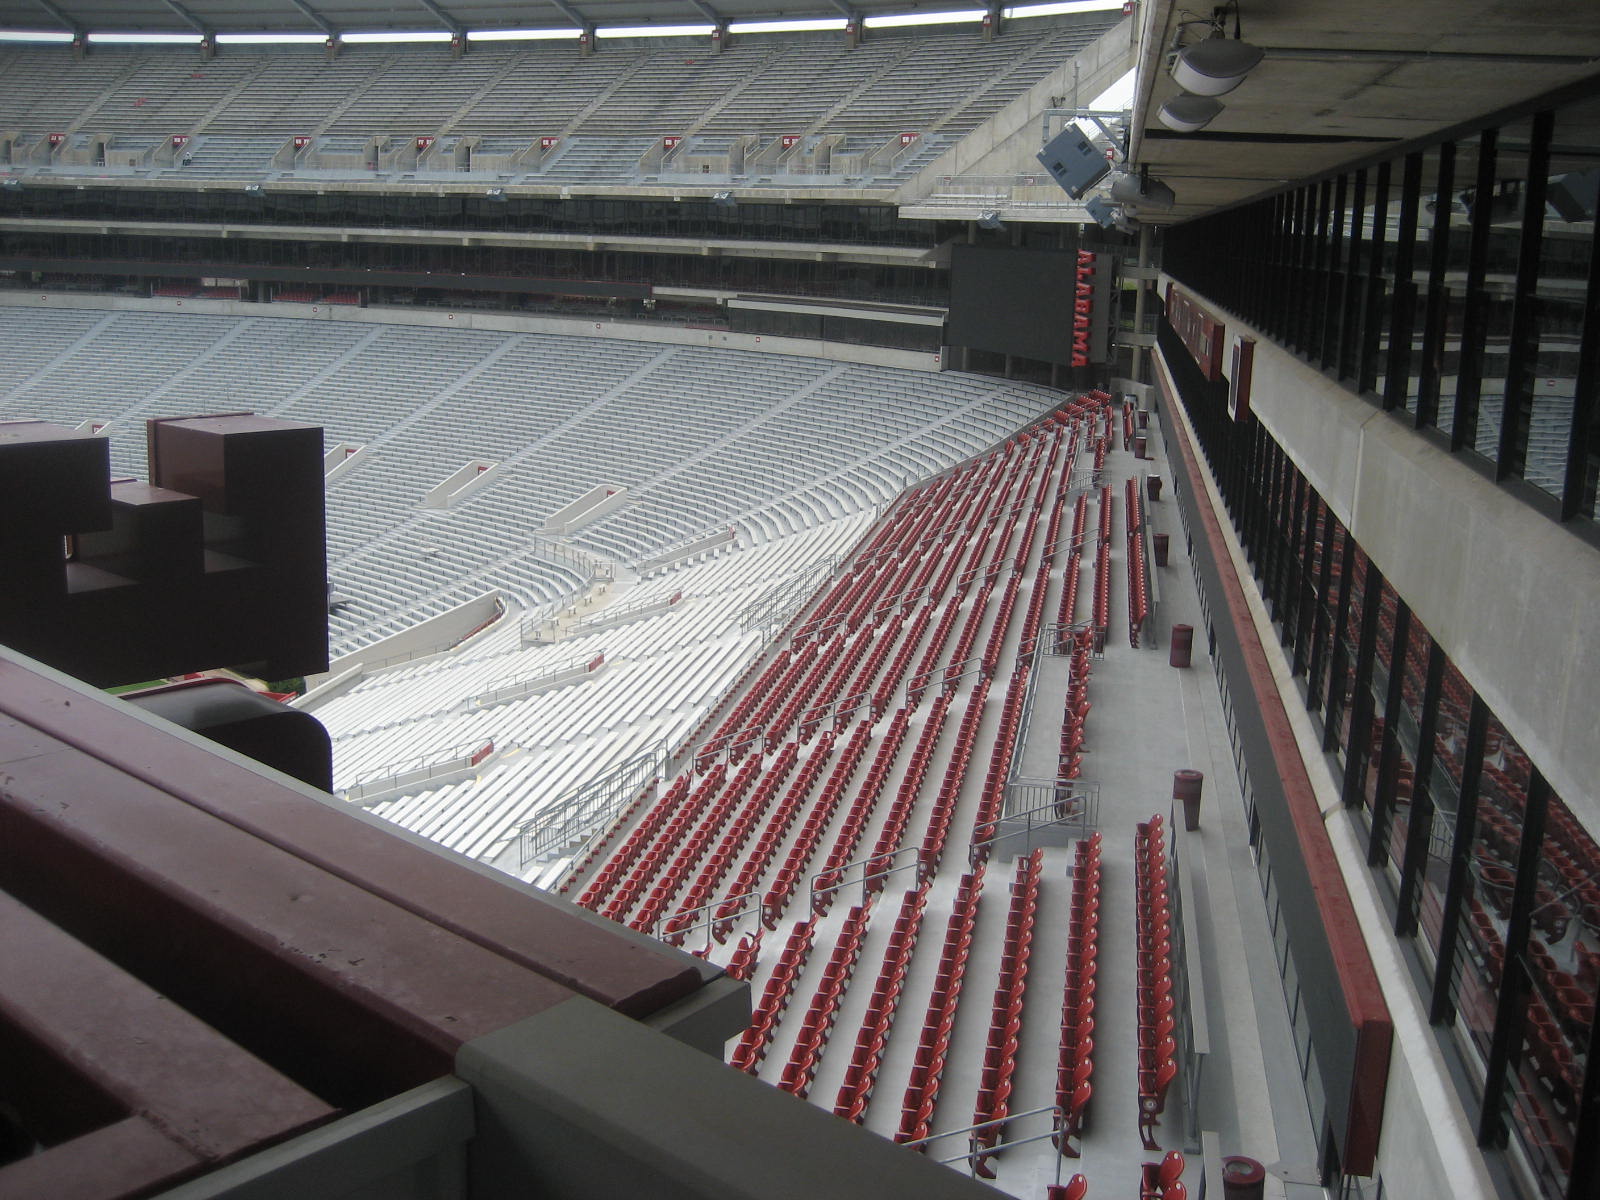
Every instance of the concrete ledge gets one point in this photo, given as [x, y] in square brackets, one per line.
[579, 1103]
[406, 1148]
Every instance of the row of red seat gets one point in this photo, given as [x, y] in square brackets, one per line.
[686, 834]
[742, 962]
[735, 834]
[847, 659]
[933, 651]
[1102, 569]
[944, 804]
[1002, 623]
[855, 1093]
[777, 826]
[927, 1069]
[861, 810]
[1031, 522]
[817, 820]
[1138, 578]
[991, 801]
[753, 1043]
[622, 859]
[891, 678]
[884, 638]
[728, 801]
[1067, 609]
[754, 722]
[1075, 1059]
[1033, 620]
[1163, 1180]
[1075, 714]
[738, 718]
[1005, 1015]
[1549, 1056]
[817, 1024]
[825, 660]
[894, 824]
[1158, 1049]
[974, 621]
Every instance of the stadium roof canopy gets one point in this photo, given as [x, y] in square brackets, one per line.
[325, 17]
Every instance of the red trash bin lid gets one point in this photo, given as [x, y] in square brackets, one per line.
[1236, 1168]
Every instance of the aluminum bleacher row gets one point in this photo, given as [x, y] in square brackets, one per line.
[742, 449]
[845, 769]
[609, 110]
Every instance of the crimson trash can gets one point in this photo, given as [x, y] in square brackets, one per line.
[1187, 785]
[1181, 645]
[1243, 1178]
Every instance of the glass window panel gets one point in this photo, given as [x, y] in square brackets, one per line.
[1343, 661]
[1421, 269]
[1382, 663]
[1407, 725]
[1567, 253]
[1543, 1088]
[1492, 859]
[1453, 225]
[1505, 203]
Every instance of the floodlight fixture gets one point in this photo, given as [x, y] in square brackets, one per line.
[1186, 114]
[1217, 65]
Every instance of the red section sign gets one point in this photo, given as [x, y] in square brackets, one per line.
[790, 139]
[424, 142]
[1202, 333]
[907, 138]
[1244, 357]
[1082, 308]
[670, 141]
[548, 143]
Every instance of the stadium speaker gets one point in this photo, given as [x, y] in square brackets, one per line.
[1573, 197]
[1102, 211]
[1073, 162]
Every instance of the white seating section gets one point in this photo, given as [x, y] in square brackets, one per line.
[659, 678]
[768, 445]
[609, 109]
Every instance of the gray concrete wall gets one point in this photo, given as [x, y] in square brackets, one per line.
[582, 1104]
[410, 1147]
[1512, 597]
[632, 331]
